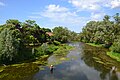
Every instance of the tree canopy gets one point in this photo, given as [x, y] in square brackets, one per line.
[106, 32]
[17, 39]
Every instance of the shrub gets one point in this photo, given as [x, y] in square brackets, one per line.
[116, 46]
[45, 49]
[56, 43]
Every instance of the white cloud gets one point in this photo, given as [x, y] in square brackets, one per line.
[94, 5]
[86, 4]
[60, 14]
[115, 4]
[2, 4]
[112, 4]
[56, 8]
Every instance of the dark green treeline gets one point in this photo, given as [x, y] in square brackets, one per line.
[105, 32]
[18, 39]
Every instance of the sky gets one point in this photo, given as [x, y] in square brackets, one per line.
[73, 14]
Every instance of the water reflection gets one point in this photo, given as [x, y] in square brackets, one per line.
[89, 60]
[67, 72]
[114, 76]
[82, 65]
[105, 70]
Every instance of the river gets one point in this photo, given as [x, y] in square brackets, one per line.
[84, 63]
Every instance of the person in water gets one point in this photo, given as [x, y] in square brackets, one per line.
[51, 68]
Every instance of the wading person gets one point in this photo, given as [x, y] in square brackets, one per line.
[51, 68]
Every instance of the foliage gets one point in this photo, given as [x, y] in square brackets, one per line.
[114, 55]
[62, 50]
[64, 35]
[45, 49]
[104, 32]
[9, 46]
[116, 46]
[19, 39]
[60, 34]
[101, 32]
[56, 43]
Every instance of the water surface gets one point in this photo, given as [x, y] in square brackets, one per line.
[84, 63]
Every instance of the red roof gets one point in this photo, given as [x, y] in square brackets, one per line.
[49, 33]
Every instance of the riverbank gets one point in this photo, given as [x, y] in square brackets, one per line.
[93, 44]
[101, 57]
[113, 55]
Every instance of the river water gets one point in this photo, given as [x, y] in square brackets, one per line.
[83, 63]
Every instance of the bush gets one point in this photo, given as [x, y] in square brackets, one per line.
[56, 43]
[61, 51]
[116, 46]
[45, 49]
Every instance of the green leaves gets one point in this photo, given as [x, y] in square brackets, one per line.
[116, 46]
[18, 40]
[100, 32]
[9, 46]
[45, 49]
[63, 35]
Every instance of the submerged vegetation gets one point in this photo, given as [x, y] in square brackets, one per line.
[96, 45]
[18, 71]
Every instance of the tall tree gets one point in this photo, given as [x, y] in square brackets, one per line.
[117, 18]
[9, 46]
[14, 22]
[61, 34]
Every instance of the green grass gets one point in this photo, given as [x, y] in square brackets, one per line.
[93, 44]
[114, 55]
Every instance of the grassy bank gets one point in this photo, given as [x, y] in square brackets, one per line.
[93, 44]
[114, 55]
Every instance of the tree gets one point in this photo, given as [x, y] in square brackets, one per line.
[116, 46]
[9, 46]
[117, 18]
[14, 22]
[61, 34]
[99, 32]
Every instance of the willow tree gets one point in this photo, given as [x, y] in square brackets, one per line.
[9, 46]
[61, 34]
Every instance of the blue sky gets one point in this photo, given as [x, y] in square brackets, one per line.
[73, 14]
